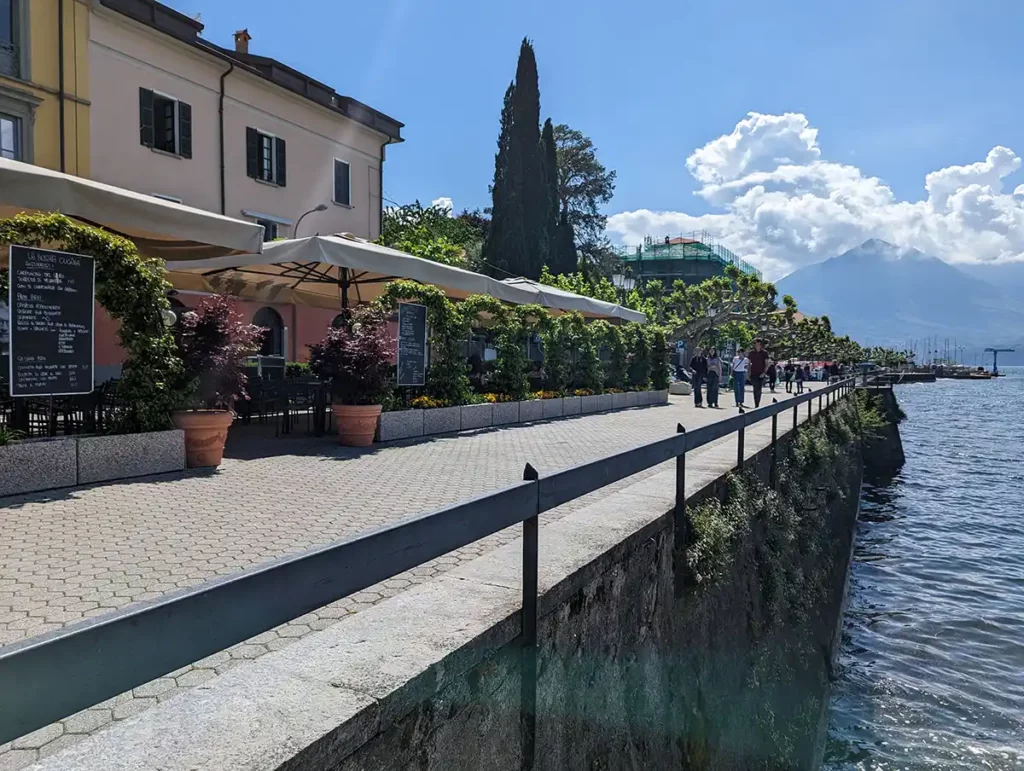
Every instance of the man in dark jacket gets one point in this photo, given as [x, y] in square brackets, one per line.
[699, 365]
[758, 367]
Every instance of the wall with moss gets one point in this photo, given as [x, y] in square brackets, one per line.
[709, 652]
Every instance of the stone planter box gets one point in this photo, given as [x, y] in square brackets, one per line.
[122, 456]
[643, 398]
[505, 413]
[572, 405]
[531, 410]
[27, 467]
[403, 424]
[618, 401]
[477, 416]
[552, 408]
[607, 402]
[443, 420]
[590, 404]
[680, 389]
[661, 397]
[632, 398]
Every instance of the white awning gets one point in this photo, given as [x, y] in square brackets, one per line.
[552, 297]
[160, 228]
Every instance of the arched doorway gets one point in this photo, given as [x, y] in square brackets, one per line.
[273, 341]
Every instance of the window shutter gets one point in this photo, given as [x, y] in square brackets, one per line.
[184, 130]
[282, 177]
[146, 117]
[252, 152]
[342, 194]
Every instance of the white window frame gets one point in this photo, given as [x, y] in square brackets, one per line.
[19, 135]
[177, 123]
[274, 173]
[334, 186]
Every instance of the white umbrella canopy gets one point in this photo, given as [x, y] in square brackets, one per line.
[332, 271]
[159, 228]
[559, 299]
[342, 270]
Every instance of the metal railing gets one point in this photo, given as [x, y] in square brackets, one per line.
[47, 678]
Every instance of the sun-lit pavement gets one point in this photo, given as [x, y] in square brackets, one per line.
[74, 554]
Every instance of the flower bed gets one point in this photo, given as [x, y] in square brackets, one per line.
[406, 424]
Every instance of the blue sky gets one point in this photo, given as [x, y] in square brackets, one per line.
[897, 89]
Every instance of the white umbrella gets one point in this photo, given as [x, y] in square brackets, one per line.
[559, 299]
[159, 228]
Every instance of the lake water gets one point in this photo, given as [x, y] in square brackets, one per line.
[931, 670]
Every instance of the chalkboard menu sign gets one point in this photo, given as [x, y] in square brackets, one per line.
[51, 306]
[412, 344]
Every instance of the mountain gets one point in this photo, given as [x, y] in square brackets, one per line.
[881, 294]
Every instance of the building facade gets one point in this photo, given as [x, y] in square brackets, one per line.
[233, 132]
[691, 259]
[44, 83]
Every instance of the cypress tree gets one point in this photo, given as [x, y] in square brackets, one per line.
[518, 242]
[549, 156]
[565, 241]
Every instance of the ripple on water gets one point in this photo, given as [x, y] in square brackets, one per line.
[931, 670]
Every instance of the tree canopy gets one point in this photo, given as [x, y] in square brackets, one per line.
[583, 185]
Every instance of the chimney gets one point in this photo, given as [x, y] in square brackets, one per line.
[242, 38]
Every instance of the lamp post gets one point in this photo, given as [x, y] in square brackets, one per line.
[318, 207]
[624, 283]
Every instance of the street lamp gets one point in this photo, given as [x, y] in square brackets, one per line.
[624, 283]
[318, 207]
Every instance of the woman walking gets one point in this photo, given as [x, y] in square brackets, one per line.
[799, 379]
[740, 367]
[714, 377]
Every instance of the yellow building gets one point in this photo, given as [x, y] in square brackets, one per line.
[44, 117]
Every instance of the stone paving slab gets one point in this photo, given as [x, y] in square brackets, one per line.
[79, 553]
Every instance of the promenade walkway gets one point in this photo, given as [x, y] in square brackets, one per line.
[74, 554]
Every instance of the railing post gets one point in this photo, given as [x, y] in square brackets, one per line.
[528, 662]
[681, 527]
[820, 396]
[796, 418]
[773, 471]
[739, 445]
[810, 406]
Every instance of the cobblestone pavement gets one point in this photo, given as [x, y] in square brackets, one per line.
[74, 554]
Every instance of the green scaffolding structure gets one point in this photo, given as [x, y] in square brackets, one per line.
[690, 258]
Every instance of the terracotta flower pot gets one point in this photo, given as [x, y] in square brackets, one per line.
[205, 434]
[357, 423]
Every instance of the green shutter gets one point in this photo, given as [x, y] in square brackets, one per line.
[252, 152]
[342, 193]
[146, 117]
[282, 175]
[184, 130]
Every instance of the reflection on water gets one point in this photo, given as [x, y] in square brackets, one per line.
[931, 671]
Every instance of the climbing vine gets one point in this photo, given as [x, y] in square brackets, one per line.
[659, 357]
[618, 358]
[559, 339]
[589, 369]
[639, 356]
[133, 290]
[446, 375]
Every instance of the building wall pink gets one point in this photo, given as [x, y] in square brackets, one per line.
[125, 56]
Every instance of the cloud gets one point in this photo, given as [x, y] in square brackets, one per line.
[781, 205]
[444, 202]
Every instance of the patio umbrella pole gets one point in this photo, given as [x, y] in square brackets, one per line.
[344, 283]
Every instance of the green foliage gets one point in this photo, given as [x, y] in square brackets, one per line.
[639, 356]
[518, 240]
[584, 185]
[590, 370]
[558, 338]
[549, 159]
[297, 369]
[659, 374]
[9, 435]
[871, 419]
[133, 290]
[446, 375]
[512, 326]
[618, 357]
[600, 288]
[431, 233]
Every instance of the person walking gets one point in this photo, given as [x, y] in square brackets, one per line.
[740, 368]
[788, 373]
[699, 367]
[800, 379]
[758, 368]
[714, 377]
[773, 375]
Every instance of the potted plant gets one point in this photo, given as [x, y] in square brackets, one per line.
[213, 343]
[356, 359]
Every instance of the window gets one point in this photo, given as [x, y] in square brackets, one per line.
[10, 137]
[165, 123]
[342, 183]
[269, 229]
[273, 341]
[265, 157]
[10, 34]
